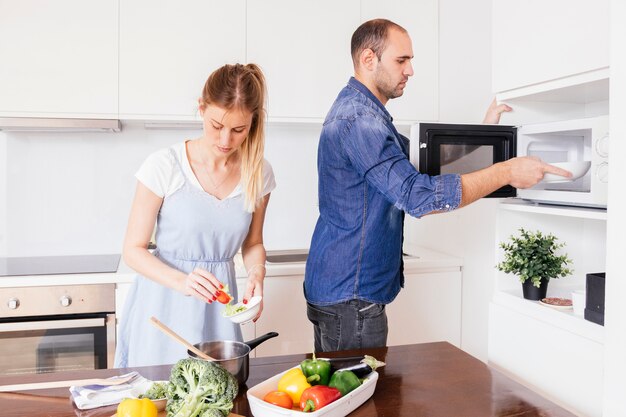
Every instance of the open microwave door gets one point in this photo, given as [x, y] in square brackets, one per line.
[443, 148]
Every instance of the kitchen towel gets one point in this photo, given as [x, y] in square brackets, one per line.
[93, 396]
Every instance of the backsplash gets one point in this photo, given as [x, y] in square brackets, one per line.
[70, 193]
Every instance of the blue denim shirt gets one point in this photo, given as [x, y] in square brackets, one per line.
[366, 183]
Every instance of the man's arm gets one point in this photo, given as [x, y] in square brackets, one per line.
[522, 172]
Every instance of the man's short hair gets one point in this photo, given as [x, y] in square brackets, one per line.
[371, 35]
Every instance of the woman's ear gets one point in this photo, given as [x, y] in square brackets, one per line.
[201, 106]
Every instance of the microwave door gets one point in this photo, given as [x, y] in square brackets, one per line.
[444, 148]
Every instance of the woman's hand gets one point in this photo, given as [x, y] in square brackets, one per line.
[202, 285]
[254, 286]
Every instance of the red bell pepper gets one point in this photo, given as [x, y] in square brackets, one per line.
[318, 396]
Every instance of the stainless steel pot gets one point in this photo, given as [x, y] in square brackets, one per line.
[233, 356]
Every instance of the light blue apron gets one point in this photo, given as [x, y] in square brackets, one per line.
[194, 229]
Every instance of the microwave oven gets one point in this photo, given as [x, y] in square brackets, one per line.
[444, 148]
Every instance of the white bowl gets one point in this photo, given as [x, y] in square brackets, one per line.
[339, 408]
[578, 169]
[252, 309]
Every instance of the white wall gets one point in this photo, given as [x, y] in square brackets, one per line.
[615, 337]
[70, 193]
[464, 95]
[3, 194]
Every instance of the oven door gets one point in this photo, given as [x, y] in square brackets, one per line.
[441, 148]
[57, 343]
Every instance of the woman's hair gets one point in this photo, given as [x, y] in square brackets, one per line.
[243, 87]
[371, 35]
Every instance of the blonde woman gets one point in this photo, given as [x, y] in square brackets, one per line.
[208, 197]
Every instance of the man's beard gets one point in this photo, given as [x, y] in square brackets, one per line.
[386, 86]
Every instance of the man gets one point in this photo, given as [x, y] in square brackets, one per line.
[366, 183]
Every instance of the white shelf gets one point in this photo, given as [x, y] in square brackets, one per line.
[587, 87]
[562, 319]
[515, 204]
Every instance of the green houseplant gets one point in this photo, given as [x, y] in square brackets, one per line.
[532, 257]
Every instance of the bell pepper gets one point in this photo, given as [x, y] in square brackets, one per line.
[134, 407]
[344, 381]
[316, 397]
[293, 382]
[317, 371]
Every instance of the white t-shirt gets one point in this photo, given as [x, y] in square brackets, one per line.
[160, 173]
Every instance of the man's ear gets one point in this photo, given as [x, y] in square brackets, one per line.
[368, 59]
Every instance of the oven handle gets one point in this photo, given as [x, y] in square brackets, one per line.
[51, 324]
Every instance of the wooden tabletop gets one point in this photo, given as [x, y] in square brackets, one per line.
[425, 380]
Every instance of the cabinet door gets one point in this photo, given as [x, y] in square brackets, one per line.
[304, 50]
[284, 311]
[536, 41]
[248, 330]
[420, 19]
[167, 52]
[59, 58]
[428, 309]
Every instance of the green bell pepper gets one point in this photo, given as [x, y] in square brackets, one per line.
[344, 381]
[317, 371]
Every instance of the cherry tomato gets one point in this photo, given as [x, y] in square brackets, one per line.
[279, 398]
[224, 297]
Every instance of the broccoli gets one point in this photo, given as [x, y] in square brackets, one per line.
[156, 391]
[200, 388]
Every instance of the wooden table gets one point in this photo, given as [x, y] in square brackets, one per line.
[425, 380]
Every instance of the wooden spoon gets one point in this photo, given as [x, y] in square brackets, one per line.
[179, 339]
[64, 383]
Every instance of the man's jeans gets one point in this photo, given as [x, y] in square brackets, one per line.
[354, 324]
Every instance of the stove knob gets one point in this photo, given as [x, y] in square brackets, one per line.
[66, 300]
[13, 303]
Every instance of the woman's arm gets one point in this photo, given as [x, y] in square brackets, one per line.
[253, 253]
[143, 214]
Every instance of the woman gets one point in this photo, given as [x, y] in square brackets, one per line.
[208, 197]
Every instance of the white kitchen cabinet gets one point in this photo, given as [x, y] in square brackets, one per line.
[59, 58]
[562, 365]
[284, 312]
[167, 52]
[303, 48]
[420, 19]
[121, 292]
[248, 330]
[428, 309]
[537, 41]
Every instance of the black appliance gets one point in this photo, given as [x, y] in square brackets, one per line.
[459, 149]
[594, 306]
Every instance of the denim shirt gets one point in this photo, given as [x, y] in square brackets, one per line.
[366, 183]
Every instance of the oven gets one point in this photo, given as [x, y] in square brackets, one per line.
[56, 328]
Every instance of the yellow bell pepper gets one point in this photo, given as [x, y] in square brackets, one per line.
[293, 382]
[133, 407]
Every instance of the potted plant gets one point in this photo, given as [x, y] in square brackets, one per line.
[532, 257]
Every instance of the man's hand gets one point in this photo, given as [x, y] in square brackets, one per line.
[527, 171]
[494, 111]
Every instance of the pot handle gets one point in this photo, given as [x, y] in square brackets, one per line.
[256, 342]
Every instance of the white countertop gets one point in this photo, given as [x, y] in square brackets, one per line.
[426, 261]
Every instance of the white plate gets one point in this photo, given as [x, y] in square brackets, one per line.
[578, 169]
[340, 408]
[555, 306]
[252, 309]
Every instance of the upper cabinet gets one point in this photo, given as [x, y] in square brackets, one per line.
[552, 45]
[59, 58]
[167, 52]
[303, 48]
[420, 19]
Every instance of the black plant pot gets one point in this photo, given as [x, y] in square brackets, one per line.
[533, 293]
